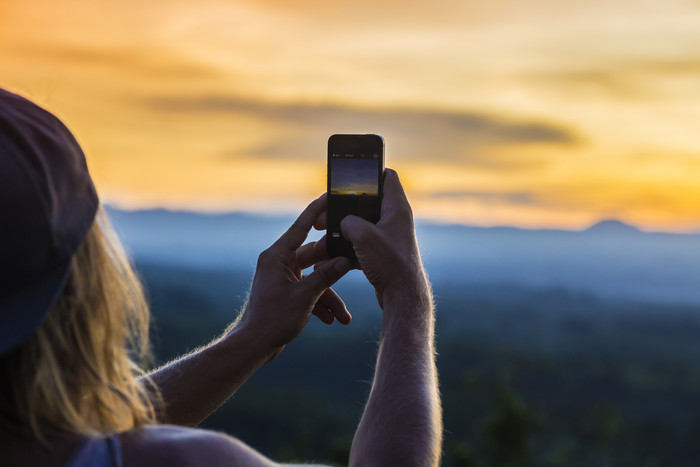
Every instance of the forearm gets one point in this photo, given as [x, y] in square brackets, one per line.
[402, 423]
[194, 386]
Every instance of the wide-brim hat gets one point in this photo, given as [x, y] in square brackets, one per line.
[47, 205]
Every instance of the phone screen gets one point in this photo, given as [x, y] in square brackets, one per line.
[355, 168]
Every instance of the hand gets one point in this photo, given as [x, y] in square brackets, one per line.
[281, 298]
[388, 251]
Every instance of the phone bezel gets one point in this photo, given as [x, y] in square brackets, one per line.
[351, 144]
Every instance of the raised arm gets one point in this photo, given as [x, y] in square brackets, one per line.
[402, 422]
[279, 305]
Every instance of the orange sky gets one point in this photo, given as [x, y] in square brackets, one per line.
[511, 112]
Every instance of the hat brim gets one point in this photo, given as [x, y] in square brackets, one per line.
[22, 312]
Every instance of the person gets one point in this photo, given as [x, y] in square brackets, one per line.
[74, 325]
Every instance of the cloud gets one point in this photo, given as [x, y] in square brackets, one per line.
[298, 130]
[626, 79]
[517, 198]
[667, 161]
[119, 62]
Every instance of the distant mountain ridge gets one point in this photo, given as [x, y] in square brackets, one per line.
[613, 226]
[609, 259]
[609, 225]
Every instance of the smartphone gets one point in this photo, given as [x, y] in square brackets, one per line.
[355, 172]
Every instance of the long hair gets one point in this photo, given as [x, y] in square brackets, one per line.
[77, 374]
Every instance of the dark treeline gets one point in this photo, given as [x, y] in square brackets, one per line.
[528, 377]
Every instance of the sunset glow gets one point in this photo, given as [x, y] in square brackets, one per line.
[528, 113]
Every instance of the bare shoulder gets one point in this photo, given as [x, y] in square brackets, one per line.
[178, 446]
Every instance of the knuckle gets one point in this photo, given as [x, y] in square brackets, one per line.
[404, 214]
[297, 228]
[265, 256]
[406, 210]
[325, 276]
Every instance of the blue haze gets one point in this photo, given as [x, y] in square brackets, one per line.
[609, 260]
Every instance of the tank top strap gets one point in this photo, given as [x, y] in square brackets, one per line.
[115, 447]
[97, 451]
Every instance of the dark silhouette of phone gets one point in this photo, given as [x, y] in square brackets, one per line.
[355, 170]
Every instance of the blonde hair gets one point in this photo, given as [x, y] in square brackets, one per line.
[77, 373]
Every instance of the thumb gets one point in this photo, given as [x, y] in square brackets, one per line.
[326, 274]
[355, 228]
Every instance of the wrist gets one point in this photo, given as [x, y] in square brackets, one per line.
[409, 290]
[409, 319]
[240, 339]
[410, 305]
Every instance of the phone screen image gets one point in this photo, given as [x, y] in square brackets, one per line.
[355, 167]
[354, 176]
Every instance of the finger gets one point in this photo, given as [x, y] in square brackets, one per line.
[311, 253]
[353, 265]
[332, 301]
[356, 229]
[321, 221]
[297, 232]
[306, 255]
[393, 195]
[323, 313]
[320, 247]
[325, 275]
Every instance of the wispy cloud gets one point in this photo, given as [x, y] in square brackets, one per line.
[488, 197]
[413, 134]
[630, 79]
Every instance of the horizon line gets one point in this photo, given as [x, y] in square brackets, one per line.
[288, 214]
